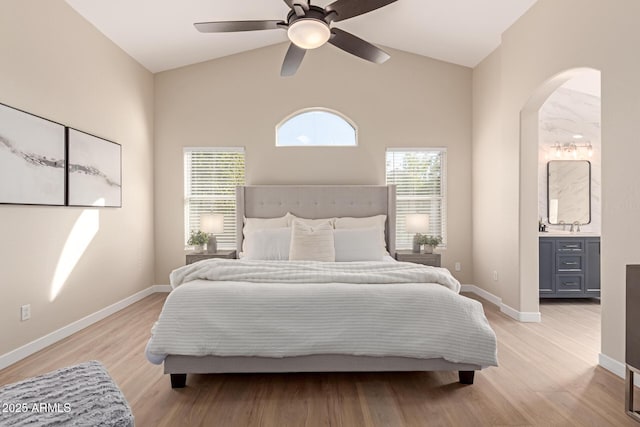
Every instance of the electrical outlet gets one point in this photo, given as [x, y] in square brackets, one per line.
[458, 267]
[495, 275]
[25, 312]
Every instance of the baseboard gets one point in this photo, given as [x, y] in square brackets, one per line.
[520, 316]
[26, 350]
[161, 288]
[493, 299]
[616, 367]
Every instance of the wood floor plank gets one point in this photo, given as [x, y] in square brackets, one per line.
[548, 376]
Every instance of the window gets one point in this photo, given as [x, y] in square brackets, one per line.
[210, 179]
[316, 127]
[419, 176]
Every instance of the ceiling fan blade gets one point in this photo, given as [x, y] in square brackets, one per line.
[233, 26]
[292, 60]
[298, 6]
[346, 9]
[356, 46]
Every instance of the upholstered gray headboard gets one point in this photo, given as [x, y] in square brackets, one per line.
[317, 201]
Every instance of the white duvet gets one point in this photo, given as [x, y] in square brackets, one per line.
[285, 308]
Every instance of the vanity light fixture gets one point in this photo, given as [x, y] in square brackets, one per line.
[570, 149]
[558, 149]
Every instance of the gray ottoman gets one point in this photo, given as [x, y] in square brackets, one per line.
[80, 395]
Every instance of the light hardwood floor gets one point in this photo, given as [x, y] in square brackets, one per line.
[547, 377]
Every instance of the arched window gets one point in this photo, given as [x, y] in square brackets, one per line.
[316, 127]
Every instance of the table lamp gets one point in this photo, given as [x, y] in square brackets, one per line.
[212, 224]
[417, 223]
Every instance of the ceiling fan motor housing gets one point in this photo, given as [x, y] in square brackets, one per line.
[314, 12]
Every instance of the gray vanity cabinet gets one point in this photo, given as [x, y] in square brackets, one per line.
[547, 267]
[569, 267]
[592, 266]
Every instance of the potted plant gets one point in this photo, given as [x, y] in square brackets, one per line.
[430, 242]
[198, 239]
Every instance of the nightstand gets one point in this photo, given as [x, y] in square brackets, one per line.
[193, 257]
[426, 259]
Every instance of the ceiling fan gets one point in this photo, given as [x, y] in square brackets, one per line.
[309, 27]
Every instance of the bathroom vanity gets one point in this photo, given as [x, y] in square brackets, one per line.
[569, 265]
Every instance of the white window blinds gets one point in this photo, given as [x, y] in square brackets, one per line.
[210, 179]
[419, 176]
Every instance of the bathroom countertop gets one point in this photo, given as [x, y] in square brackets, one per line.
[560, 233]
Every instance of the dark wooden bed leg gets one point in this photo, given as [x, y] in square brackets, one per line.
[466, 377]
[179, 380]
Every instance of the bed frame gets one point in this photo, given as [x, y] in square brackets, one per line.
[312, 201]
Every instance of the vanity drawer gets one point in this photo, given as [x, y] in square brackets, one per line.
[570, 245]
[569, 263]
[569, 283]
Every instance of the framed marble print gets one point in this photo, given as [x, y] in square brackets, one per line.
[95, 171]
[32, 159]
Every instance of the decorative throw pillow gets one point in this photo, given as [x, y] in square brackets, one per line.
[309, 221]
[311, 243]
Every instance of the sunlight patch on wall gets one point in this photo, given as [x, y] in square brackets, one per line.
[81, 235]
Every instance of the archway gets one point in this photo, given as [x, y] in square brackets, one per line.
[529, 164]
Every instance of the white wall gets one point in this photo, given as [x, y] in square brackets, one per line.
[488, 164]
[568, 35]
[410, 101]
[58, 66]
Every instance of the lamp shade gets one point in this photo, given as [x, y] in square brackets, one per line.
[417, 223]
[212, 223]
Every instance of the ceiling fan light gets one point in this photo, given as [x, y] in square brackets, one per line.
[309, 33]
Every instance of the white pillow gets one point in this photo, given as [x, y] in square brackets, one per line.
[267, 244]
[358, 244]
[377, 221]
[311, 243]
[309, 221]
[252, 224]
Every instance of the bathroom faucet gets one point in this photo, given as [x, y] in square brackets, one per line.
[577, 225]
[561, 222]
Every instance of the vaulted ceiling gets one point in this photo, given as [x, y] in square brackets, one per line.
[160, 34]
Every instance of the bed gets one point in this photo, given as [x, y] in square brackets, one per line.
[304, 316]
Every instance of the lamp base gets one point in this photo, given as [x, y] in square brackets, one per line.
[212, 245]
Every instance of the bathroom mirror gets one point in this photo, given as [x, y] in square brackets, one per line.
[569, 191]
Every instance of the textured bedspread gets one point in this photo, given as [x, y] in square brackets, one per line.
[313, 272]
[270, 317]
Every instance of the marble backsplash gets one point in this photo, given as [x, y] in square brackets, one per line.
[567, 113]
